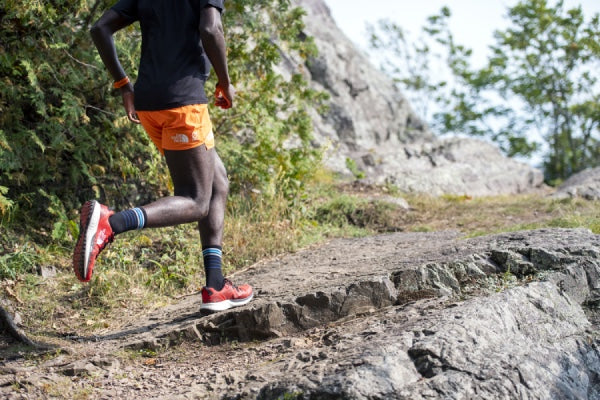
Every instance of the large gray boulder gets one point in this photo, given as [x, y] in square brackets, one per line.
[450, 166]
[370, 122]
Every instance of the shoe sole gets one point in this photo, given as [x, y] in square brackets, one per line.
[225, 304]
[90, 218]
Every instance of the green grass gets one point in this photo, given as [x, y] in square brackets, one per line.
[487, 215]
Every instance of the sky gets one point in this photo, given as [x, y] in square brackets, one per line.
[472, 22]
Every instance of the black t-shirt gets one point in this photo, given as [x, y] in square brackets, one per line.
[173, 65]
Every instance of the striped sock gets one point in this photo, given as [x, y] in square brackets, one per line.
[212, 267]
[128, 220]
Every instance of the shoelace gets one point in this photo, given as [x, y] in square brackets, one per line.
[227, 281]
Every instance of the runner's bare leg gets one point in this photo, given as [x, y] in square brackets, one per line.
[194, 178]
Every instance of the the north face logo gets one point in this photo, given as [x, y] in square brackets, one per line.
[180, 138]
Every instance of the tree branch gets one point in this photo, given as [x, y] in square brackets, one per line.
[11, 328]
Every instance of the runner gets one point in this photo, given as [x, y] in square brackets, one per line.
[180, 41]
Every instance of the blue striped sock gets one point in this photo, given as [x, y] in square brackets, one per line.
[128, 220]
[212, 266]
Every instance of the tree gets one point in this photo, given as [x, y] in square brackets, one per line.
[540, 79]
[549, 59]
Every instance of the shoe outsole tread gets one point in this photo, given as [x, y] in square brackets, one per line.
[86, 248]
[82, 242]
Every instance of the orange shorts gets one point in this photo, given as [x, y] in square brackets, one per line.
[179, 128]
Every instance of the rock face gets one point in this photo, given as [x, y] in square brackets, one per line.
[366, 108]
[370, 122]
[585, 184]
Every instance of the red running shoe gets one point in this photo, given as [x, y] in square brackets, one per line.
[228, 297]
[94, 234]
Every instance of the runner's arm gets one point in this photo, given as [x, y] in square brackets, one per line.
[102, 35]
[213, 42]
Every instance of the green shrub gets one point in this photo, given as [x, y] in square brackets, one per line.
[64, 137]
[19, 261]
[62, 140]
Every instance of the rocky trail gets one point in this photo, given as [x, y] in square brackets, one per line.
[395, 316]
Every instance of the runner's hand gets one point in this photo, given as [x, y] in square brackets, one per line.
[224, 96]
[129, 107]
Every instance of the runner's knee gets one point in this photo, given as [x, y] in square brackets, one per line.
[203, 207]
[201, 200]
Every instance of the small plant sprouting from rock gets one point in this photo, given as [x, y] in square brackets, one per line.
[291, 396]
[353, 168]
